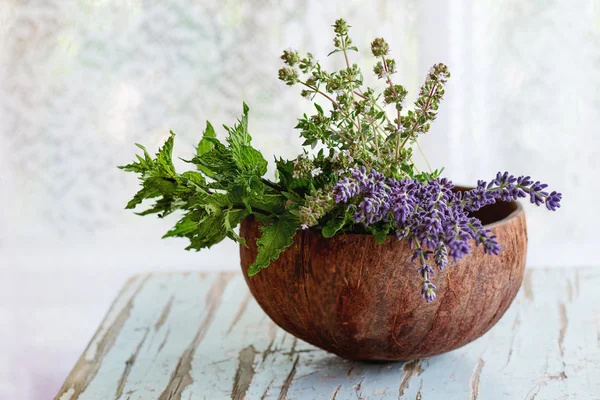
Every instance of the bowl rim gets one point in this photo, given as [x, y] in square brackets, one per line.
[516, 212]
[512, 215]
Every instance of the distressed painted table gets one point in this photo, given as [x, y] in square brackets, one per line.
[202, 336]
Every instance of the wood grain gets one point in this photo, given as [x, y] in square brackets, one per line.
[200, 336]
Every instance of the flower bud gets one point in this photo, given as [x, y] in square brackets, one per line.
[379, 47]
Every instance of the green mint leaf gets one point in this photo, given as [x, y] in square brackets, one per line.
[210, 230]
[158, 178]
[163, 206]
[164, 158]
[246, 158]
[193, 180]
[152, 187]
[275, 238]
[334, 226]
[251, 160]
[161, 166]
[218, 163]
[285, 171]
[380, 232]
[205, 145]
[380, 235]
[183, 228]
[238, 135]
[231, 221]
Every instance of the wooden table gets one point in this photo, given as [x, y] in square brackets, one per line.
[202, 336]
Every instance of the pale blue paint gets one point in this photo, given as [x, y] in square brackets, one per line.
[547, 346]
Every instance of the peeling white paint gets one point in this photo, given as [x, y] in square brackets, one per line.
[130, 289]
[532, 351]
[67, 395]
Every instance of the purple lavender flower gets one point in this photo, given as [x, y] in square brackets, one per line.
[553, 201]
[536, 193]
[345, 189]
[428, 291]
[441, 256]
[435, 219]
[477, 198]
[482, 236]
[506, 187]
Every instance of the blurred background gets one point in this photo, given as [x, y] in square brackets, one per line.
[82, 80]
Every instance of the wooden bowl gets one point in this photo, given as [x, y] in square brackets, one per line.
[360, 300]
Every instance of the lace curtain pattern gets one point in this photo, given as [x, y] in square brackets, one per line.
[82, 80]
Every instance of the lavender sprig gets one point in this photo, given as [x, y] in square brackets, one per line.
[506, 187]
[435, 219]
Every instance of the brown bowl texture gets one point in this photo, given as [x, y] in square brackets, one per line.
[360, 300]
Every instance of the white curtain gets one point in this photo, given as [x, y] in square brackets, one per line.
[81, 81]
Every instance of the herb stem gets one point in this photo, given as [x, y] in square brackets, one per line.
[254, 210]
[375, 135]
[271, 184]
[335, 103]
[359, 93]
[340, 134]
[424, 111]
[344, 50]
[423, 154]
[389, 81]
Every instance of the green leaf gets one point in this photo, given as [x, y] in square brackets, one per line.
[251, 160]
[193, 179]
[256, 185]
[240, 192]
[182, 228]
[217, 163]
[334, 226]
[152, 187]
[380, 235]
[158, 179]
[206, 145]
[164, 158]
[301, 185]
[211, 230]
[275, 238]
[161, 166]
[162, 207]
[213, 208]
[285, 171]
[231, 221]
[272, 203]
[243, 154]
[238, 135]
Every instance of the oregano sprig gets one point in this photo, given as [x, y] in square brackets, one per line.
[358, 121]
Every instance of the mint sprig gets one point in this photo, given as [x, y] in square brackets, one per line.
[228, 186]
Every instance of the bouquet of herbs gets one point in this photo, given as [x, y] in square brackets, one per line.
[362, 178]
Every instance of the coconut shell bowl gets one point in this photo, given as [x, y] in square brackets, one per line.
[360, 300]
